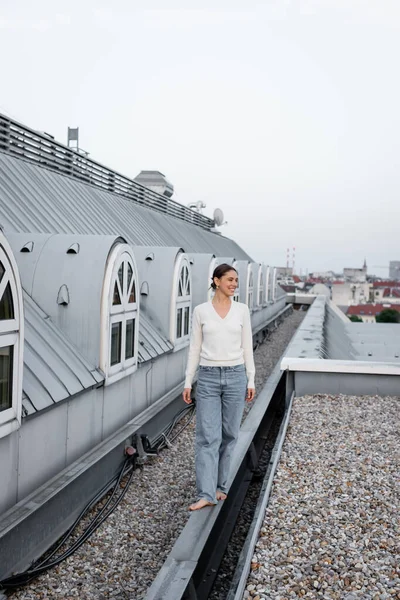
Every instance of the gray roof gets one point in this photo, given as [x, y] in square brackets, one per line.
[53, 369]
[34, 199]
[152, 343]
[360, 341]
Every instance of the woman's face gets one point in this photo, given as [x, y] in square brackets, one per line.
[228, 283]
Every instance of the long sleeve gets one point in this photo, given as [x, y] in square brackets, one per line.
[247, 346]
[196, 339]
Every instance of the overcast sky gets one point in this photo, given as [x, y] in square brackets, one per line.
[284, 113]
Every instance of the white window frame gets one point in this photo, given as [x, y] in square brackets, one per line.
[180, 302]
[267, 291]
[12, 334]
[274, 283]
[260, 286]
[250, 288]
[210, 290]
[236, 295]
[121, 254]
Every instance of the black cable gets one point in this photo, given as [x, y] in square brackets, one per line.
[82, 514]
[43, 566]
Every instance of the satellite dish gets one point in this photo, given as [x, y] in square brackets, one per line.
[218, 216]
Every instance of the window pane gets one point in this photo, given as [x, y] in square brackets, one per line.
[132, 295]
[130, 339]
[2, 271]
[6, 304]
[186, 323]
[180, 293]
[188, 286]
[179, 323]
[116, 297]
[116, 343]
[6, 356]
[121, 277]
[130, 273]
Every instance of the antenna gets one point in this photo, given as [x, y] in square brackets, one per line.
[218, 217]
[197, 206]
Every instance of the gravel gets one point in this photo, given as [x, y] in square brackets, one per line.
[122, 558]
[332, 527]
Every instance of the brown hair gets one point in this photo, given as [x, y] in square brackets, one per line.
[220, 271]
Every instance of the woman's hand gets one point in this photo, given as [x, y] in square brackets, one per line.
[186, 394]
[251, 392]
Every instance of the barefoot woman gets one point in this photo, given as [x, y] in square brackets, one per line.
[222, 343]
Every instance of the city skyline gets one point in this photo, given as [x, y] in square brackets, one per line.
[284, 115]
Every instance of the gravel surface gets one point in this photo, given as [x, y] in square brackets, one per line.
[332, 527]
[122, 558]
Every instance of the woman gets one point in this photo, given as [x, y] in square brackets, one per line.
[222, 342]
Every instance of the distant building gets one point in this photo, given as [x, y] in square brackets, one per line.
[386, 291]
[284, 273]
[356, 275]
[323, 275]
[348, 294]
[394, 270]
[368, 312]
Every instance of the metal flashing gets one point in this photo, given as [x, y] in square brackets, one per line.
[53, 368]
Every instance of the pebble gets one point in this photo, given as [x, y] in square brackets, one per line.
[123, 556]
[332, 526]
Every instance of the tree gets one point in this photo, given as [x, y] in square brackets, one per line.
[388, 315]
[355, 319]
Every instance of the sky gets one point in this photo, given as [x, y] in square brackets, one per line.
[283, 113]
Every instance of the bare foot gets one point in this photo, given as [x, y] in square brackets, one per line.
[221, 495]
[200, 504]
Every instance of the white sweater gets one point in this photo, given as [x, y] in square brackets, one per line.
[217, 342]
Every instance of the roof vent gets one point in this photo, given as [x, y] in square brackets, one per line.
[28, 247]
[73, 249]
[156, 181]
[63, 296]
[150, 256]
[144, 289]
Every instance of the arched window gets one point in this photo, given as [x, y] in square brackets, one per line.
[274, 284]
[11, 337]
[261, 286]
[236, 295]
[181, 308]
[250, 288]
[210, 292]
[120, 310]
[267, 286]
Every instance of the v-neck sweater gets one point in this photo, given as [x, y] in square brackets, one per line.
[221, 342]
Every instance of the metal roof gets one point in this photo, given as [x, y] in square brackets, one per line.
[151, 342]
[53, 369]
[34, 199]
[37, 148]
[327, 334]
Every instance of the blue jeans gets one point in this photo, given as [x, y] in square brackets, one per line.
[220, 398]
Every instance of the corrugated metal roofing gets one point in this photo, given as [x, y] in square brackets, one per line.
[53, 369]
[151, 342]
[34, 199]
